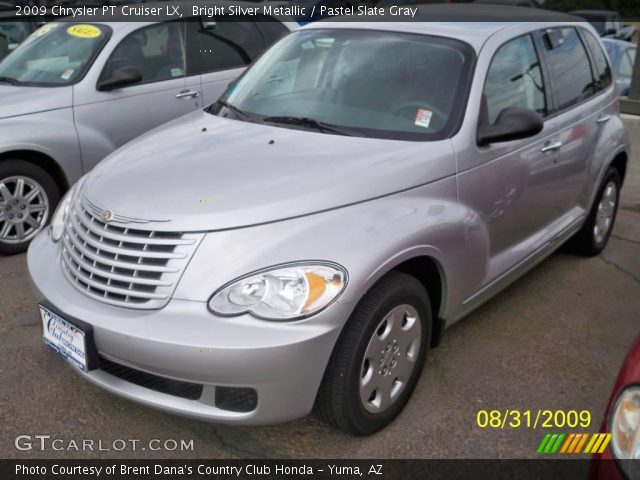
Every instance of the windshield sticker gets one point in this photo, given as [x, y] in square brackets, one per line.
[423, 118]
[66, 75]
[84, 31]
[44, 29]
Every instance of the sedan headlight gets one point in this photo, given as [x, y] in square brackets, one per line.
[286, 292]
[56, 227]
[625, 425]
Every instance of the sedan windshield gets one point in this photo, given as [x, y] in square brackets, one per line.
[357, 82]
[55, 54]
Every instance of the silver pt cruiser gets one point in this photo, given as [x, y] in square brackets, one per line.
[303, 241]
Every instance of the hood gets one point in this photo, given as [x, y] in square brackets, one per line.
[18, 100]
[205, 173]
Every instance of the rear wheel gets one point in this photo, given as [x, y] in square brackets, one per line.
[28, 196]
[595, 233]
[379, 357]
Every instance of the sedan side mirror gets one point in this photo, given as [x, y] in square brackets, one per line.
[122, 77]
[513, 123]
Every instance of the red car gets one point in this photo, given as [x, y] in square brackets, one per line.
[622, 420]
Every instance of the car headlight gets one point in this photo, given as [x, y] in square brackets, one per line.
[286, 292]
[56, 227]
[624, 425]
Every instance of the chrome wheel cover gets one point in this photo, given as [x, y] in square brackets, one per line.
[605, 213]
[24, 209]
[390, 358]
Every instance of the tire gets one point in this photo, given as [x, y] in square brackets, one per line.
[340, 401]
[20, 222]
[590, 240]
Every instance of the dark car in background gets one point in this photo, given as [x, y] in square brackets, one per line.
[622, 420]
[622, 55]
[607, 23]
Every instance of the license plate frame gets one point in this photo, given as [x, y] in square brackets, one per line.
[71, 339]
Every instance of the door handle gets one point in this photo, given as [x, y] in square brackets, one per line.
[605, 117]
[188, 94]
[551, 146]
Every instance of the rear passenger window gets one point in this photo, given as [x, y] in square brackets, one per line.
[601, 70]
[570, 67]
[515, 79]
[226, 45]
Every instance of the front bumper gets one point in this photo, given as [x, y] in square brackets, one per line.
[283, 362]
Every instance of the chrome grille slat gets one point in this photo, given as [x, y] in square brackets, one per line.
[111, 275]
[98, 229]
[122, 265]
[119, 251]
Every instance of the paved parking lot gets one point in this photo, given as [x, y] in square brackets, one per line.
[554, 340]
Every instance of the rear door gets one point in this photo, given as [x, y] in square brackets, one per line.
[578, 75]
[106, 120]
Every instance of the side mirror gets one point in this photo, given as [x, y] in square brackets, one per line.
[121, 77]
[513, 123]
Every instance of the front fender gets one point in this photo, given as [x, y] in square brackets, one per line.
[368, 239]
[49, 133]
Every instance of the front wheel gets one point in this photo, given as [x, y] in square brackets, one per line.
[595, 233]
[379, 357]
[28, 196]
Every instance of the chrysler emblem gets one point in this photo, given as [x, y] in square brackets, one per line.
[107, 215]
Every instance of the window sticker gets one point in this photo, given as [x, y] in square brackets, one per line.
[66, 75]
[84, 31]
[44, 29]
[423, 118]
[176, 72]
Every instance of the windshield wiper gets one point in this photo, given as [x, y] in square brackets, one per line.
[310, 123]
[233, 108]
[10, 80]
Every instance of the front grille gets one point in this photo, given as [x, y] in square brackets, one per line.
[123, 266]
[177, 388]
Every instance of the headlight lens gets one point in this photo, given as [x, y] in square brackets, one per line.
[625, 425]
[56, 227]
[282, 293]
[60, 216]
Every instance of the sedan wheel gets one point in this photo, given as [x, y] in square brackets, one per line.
[378, 358]
[24, 209]
[390, 358]
[606, 212]
[28, 197]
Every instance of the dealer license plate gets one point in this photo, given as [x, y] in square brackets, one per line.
[64, 338]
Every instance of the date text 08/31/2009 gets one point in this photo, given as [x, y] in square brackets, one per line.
[533, 419]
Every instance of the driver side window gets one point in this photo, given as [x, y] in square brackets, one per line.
[515, 79]
[157, 52]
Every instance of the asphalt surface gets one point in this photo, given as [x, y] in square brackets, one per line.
[553, 340]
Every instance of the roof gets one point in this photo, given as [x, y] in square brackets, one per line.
[467, 22]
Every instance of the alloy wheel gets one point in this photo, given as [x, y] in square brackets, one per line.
[24, 209]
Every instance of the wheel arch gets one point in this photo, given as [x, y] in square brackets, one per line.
[42, 160]
[619, 162]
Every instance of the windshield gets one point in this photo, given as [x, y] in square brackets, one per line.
[55, 54]
[369, 83]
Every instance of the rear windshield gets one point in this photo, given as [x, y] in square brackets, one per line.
[372, 83]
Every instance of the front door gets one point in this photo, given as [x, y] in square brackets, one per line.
[106, 120]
